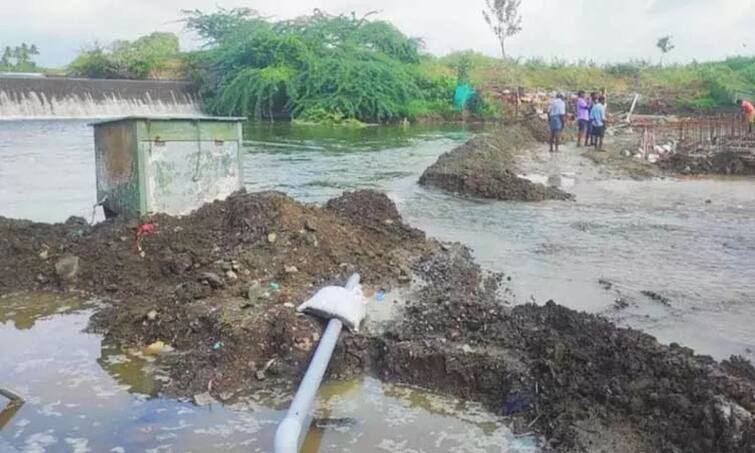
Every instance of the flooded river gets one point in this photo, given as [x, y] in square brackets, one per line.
[675, 258]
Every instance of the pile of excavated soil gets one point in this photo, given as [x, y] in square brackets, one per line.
[484, 167]
[582, 382]
[220, 285]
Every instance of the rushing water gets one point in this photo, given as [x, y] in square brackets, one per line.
[37, 105]
[85, 396]
[691, 241]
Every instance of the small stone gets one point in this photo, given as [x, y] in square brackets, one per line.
[309, 225]
[44, 254]
[123, 238]
[289, 305]
[272, 237]
[231, 275]
[290, 269]
[67, 267]
[254, 291]
[178, 229]
[42, 279]
[260, 375]
[152, 315]
[204, 399]
[312, 240]
[388, 221]
[225, 266]
[212, 279]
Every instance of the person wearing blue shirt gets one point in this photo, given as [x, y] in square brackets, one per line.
[556, 120]
[598, 121]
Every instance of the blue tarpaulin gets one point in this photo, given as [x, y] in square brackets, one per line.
[462, 95]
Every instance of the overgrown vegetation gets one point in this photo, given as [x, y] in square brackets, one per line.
[19, 58]
[321, 67]
[153, 56]
[351, 69]
[692, 86]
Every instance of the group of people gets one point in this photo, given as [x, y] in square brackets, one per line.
[591, 120]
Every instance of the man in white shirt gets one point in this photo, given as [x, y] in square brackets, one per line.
[556, 120]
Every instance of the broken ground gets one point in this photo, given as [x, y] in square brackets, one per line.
[220, 286]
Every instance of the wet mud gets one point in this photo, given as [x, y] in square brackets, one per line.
[220, 286]
[721, 163]
[485, 167]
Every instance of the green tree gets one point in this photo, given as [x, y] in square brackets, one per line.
[503, 17]
[5, 61]
[315, 67]
[665, 45]
[143, 58]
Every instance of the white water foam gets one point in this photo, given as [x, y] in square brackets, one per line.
[34, 105]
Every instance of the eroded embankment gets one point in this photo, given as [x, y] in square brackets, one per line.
[485, 167]
[220, 286]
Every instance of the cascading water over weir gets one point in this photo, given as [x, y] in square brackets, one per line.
[37, 97]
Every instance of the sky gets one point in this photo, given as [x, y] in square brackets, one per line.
[599, 30]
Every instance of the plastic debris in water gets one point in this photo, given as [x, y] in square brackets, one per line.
[142, 230]
[524, 445]
[274, 285]
[380, 296]
[218, 345]
[158, 347]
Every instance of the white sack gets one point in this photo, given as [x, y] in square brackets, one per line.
[338, 302]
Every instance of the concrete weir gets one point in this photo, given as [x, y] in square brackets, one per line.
[30, 97]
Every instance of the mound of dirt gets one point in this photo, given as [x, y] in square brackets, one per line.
[221, 284]
[218, 285]
[484, 167]
[576, 378]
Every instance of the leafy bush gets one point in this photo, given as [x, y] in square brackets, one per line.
[313, 68]
[144, 58]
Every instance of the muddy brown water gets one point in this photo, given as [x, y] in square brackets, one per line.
[690, 241]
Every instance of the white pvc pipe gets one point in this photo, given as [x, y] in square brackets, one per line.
[293, 429]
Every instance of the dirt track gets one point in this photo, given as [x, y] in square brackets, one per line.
[220, 286]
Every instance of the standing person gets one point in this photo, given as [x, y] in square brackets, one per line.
[556, 120]
[583, 118]
[748, 111]
[598, 119]
[593, 101]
